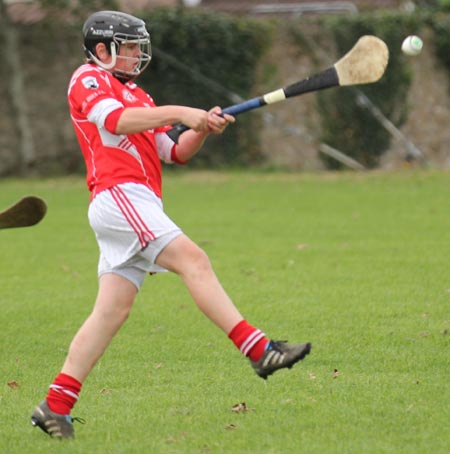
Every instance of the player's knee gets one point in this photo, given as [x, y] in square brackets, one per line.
[200, 260]
[115, 313]
[186, 258]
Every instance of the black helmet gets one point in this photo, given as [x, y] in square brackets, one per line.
[114, 28]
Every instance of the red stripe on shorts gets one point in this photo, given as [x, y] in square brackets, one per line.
[132, 216]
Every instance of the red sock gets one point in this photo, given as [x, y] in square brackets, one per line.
[249, 340]
[63, 394]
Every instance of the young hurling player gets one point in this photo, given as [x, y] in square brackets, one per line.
[122, 135]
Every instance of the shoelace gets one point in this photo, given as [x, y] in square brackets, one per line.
[78, 419]
[275, 345]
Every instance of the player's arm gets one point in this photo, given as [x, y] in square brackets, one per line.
[133, 120]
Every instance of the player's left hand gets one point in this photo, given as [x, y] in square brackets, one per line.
[217, 122]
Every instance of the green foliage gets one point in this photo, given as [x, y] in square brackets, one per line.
[441, 26]
[443, 5]
[221, 48]
[349, 126]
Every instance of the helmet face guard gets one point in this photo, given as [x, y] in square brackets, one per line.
[115, 29]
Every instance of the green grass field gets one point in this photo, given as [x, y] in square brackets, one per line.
[358, 264]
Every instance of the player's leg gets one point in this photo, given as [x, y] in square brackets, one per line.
[183, 257]
[112, 307]
[191, 263]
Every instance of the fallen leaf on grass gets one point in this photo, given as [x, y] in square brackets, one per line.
[205, 242]
[335, 373]
[312, 376]
[444, 332]
[175, 439]
[13, 384]
[106, 391]
[424, 334]
[249, 272]
[301, 246]
[69, 270]
[231, 426]
[240, 408]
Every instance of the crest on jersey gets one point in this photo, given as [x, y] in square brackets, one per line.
[128, 96]
[90, 82]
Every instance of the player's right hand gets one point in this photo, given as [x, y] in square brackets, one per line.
[196, 119]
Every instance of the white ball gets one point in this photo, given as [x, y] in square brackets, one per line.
[412, 45]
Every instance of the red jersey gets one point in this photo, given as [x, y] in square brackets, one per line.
[94, 94]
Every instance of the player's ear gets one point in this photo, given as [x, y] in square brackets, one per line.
[102, 52]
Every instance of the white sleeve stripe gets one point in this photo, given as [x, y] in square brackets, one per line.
[164, 144]
[102, 109]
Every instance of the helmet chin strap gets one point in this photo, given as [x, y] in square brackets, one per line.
[103, 65]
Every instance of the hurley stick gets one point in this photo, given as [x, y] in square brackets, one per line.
[365, 63]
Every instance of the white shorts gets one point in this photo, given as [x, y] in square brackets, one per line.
[131, 230]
